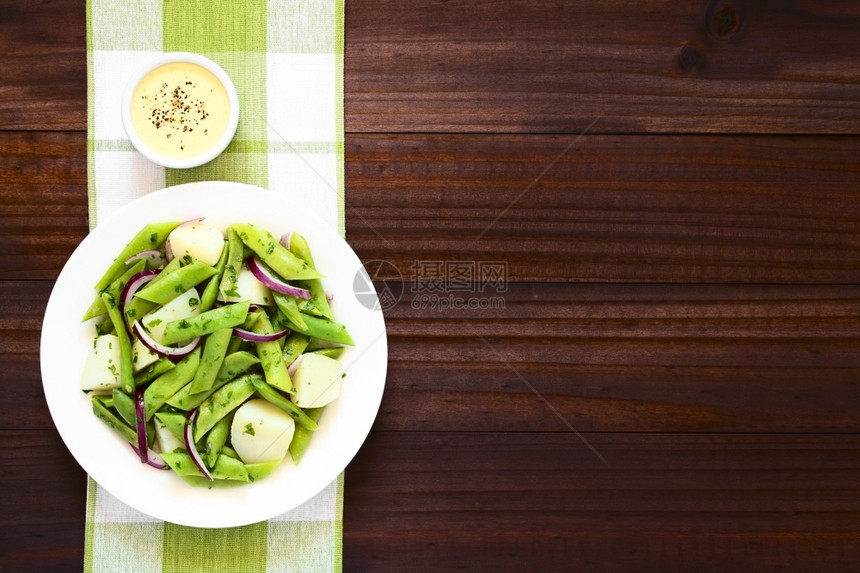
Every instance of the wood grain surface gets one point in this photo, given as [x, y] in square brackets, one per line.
[661, 371]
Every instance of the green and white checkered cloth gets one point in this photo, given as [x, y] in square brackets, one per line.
[286, 59]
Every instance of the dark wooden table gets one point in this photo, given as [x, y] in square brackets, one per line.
[667, 375]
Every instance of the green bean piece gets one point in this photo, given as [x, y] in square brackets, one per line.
[295, 344]
[226, 316]
[271, 358]
[319, 301]
[210, 293]
[114, 422]
[124, 406]
[181, 463]
[126, 359]
[138, 307]
[276, 256]
[268, 393]
[214, 352]
[228, 451]
[260, 470]
[252, 318]
[176, 283]
[302, 435]
[290, 308]
[151, 236]
[279, 322]
[153, 371]
[229, 468]
[216, 438]
[222, 402]
[324, 329]
[236, 343]
[235, 256]
[172, 265]
[234, 364]
[166, 385]
[330, 352]
[175, 422]
[104, 327]
[115, 288]
[227, 472]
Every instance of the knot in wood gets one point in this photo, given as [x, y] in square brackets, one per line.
[689, 58]
[724, 21]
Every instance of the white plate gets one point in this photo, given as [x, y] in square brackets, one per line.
[110, 461]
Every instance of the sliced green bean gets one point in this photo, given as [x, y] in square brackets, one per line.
[330, 352]
[260, 470]
[276, 256]
[216, 438]
[214, 352]
[269, 393]
[290, 308]
[302, 435]
[124, 406]
[153, 371]
[235, 256]
[113, 421]
[227, 472]
[228, 451]
[229, 468]
[104, 327]
[271, 358]
[222, 402]
[295, 344]
[150, 237]
[176, 283]
[172, 265]
[226, 316]
[175, 422]
[234, 364]
[126, 359]
[138, 307]
[319, 301]
[166, 385]
[115, 288]
[324, 329]
[210, 293]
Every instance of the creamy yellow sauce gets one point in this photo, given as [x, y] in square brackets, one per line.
[180, 110]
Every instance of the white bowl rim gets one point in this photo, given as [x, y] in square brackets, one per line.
[203, 62]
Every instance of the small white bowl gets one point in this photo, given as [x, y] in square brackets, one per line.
[210, 152]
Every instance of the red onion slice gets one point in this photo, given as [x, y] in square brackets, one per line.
[267, 278]
[133, 285]
[153, 458]
[140, 418]
[285, 240]
[161, 349]
[190, 221]
[257, 337]
[153, 258]
[188, 434]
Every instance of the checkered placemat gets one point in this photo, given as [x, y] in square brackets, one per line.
[285, 58]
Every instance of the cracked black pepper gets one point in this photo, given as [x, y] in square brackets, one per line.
[180, 110]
